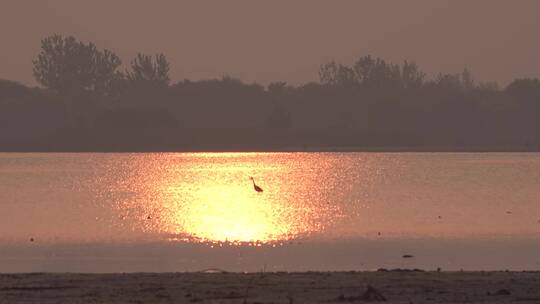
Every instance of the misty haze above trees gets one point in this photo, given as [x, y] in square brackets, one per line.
[90, 101]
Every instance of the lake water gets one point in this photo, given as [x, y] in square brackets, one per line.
[109, 212]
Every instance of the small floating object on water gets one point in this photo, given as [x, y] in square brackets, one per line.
[149, 217]
[407, 256]
[379, 233]
[31, 239]
[508, 212]
[439, 217]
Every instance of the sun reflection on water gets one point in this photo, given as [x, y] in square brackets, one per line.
[231, 213]
[193, 199]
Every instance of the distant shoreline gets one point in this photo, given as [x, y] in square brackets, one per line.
[280, 287]
[290, 150]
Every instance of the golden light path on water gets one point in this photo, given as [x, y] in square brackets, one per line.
[209, 197]
[230, 213]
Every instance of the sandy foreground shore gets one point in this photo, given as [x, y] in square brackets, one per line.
[308, 287]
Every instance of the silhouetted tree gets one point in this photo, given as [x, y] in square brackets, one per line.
[411, 76]
[336, 74]
[372, 73]
[457, 83]
[328, 73]
[371, 103]
[375, 73]
[149, 71]
[66, 65]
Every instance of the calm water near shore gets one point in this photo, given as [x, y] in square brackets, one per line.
[319, 211]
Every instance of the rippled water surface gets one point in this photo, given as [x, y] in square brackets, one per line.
[177, 199]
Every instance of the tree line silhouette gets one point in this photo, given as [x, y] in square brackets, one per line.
[88, 101]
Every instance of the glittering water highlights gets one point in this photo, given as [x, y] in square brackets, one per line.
[209, 197]
[142, 212]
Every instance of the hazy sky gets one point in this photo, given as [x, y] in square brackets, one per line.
[284, 40]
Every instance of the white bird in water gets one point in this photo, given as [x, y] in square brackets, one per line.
[257, 188]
